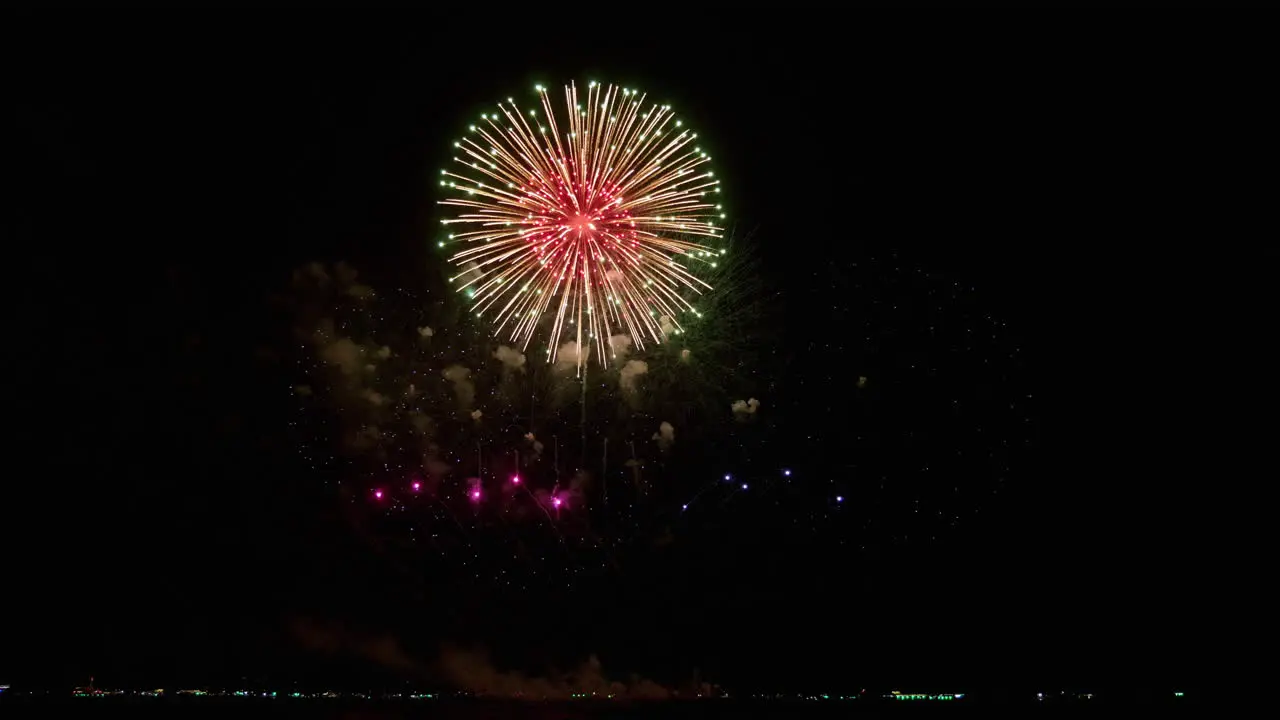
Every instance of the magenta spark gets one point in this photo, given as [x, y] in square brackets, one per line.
[417, 486]
[515, 480]
[377, 494]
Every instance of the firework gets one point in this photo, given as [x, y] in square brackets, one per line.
[586, 222]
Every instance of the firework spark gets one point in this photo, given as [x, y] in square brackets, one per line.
[581, 220]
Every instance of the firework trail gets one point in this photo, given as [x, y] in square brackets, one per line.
[590, 219]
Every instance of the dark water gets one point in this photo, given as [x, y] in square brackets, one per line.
[72, 708]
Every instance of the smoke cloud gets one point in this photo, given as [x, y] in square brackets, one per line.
[463, 388]
[666, 436]
[745, 408]
[313, 271]
[347, 280]
[568, 354]
[632, 370]
[421, 423]
[471, 670]
[620, 345]
[331, 639]
[537, 446]
[343, 352]
[435, 467]
[510, 358]
[360, 292]
[365, 438]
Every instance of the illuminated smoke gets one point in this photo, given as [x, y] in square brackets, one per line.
[303, 390]
[476, 415]
[666, 436]
[510, 358]
[425, 332]
[743, 408]
[632, 370]
[568, 357]
[620, 345]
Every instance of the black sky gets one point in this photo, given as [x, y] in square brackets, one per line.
[172, 179]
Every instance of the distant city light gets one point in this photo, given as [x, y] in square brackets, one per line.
[786, 473]
[744, 486]
[839, 498]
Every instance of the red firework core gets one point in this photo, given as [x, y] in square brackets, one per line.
[582, 223]
[582, 211]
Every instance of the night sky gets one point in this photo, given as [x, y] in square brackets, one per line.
[995, 234]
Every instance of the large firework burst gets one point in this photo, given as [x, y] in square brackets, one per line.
[581, 221]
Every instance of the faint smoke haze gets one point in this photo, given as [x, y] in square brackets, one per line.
[463, 388]
[472, 671]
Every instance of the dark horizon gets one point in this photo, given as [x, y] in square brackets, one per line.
[165, 529]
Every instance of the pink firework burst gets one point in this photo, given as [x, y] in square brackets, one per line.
[574, 222]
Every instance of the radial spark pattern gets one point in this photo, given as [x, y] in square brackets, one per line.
[584, 223]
